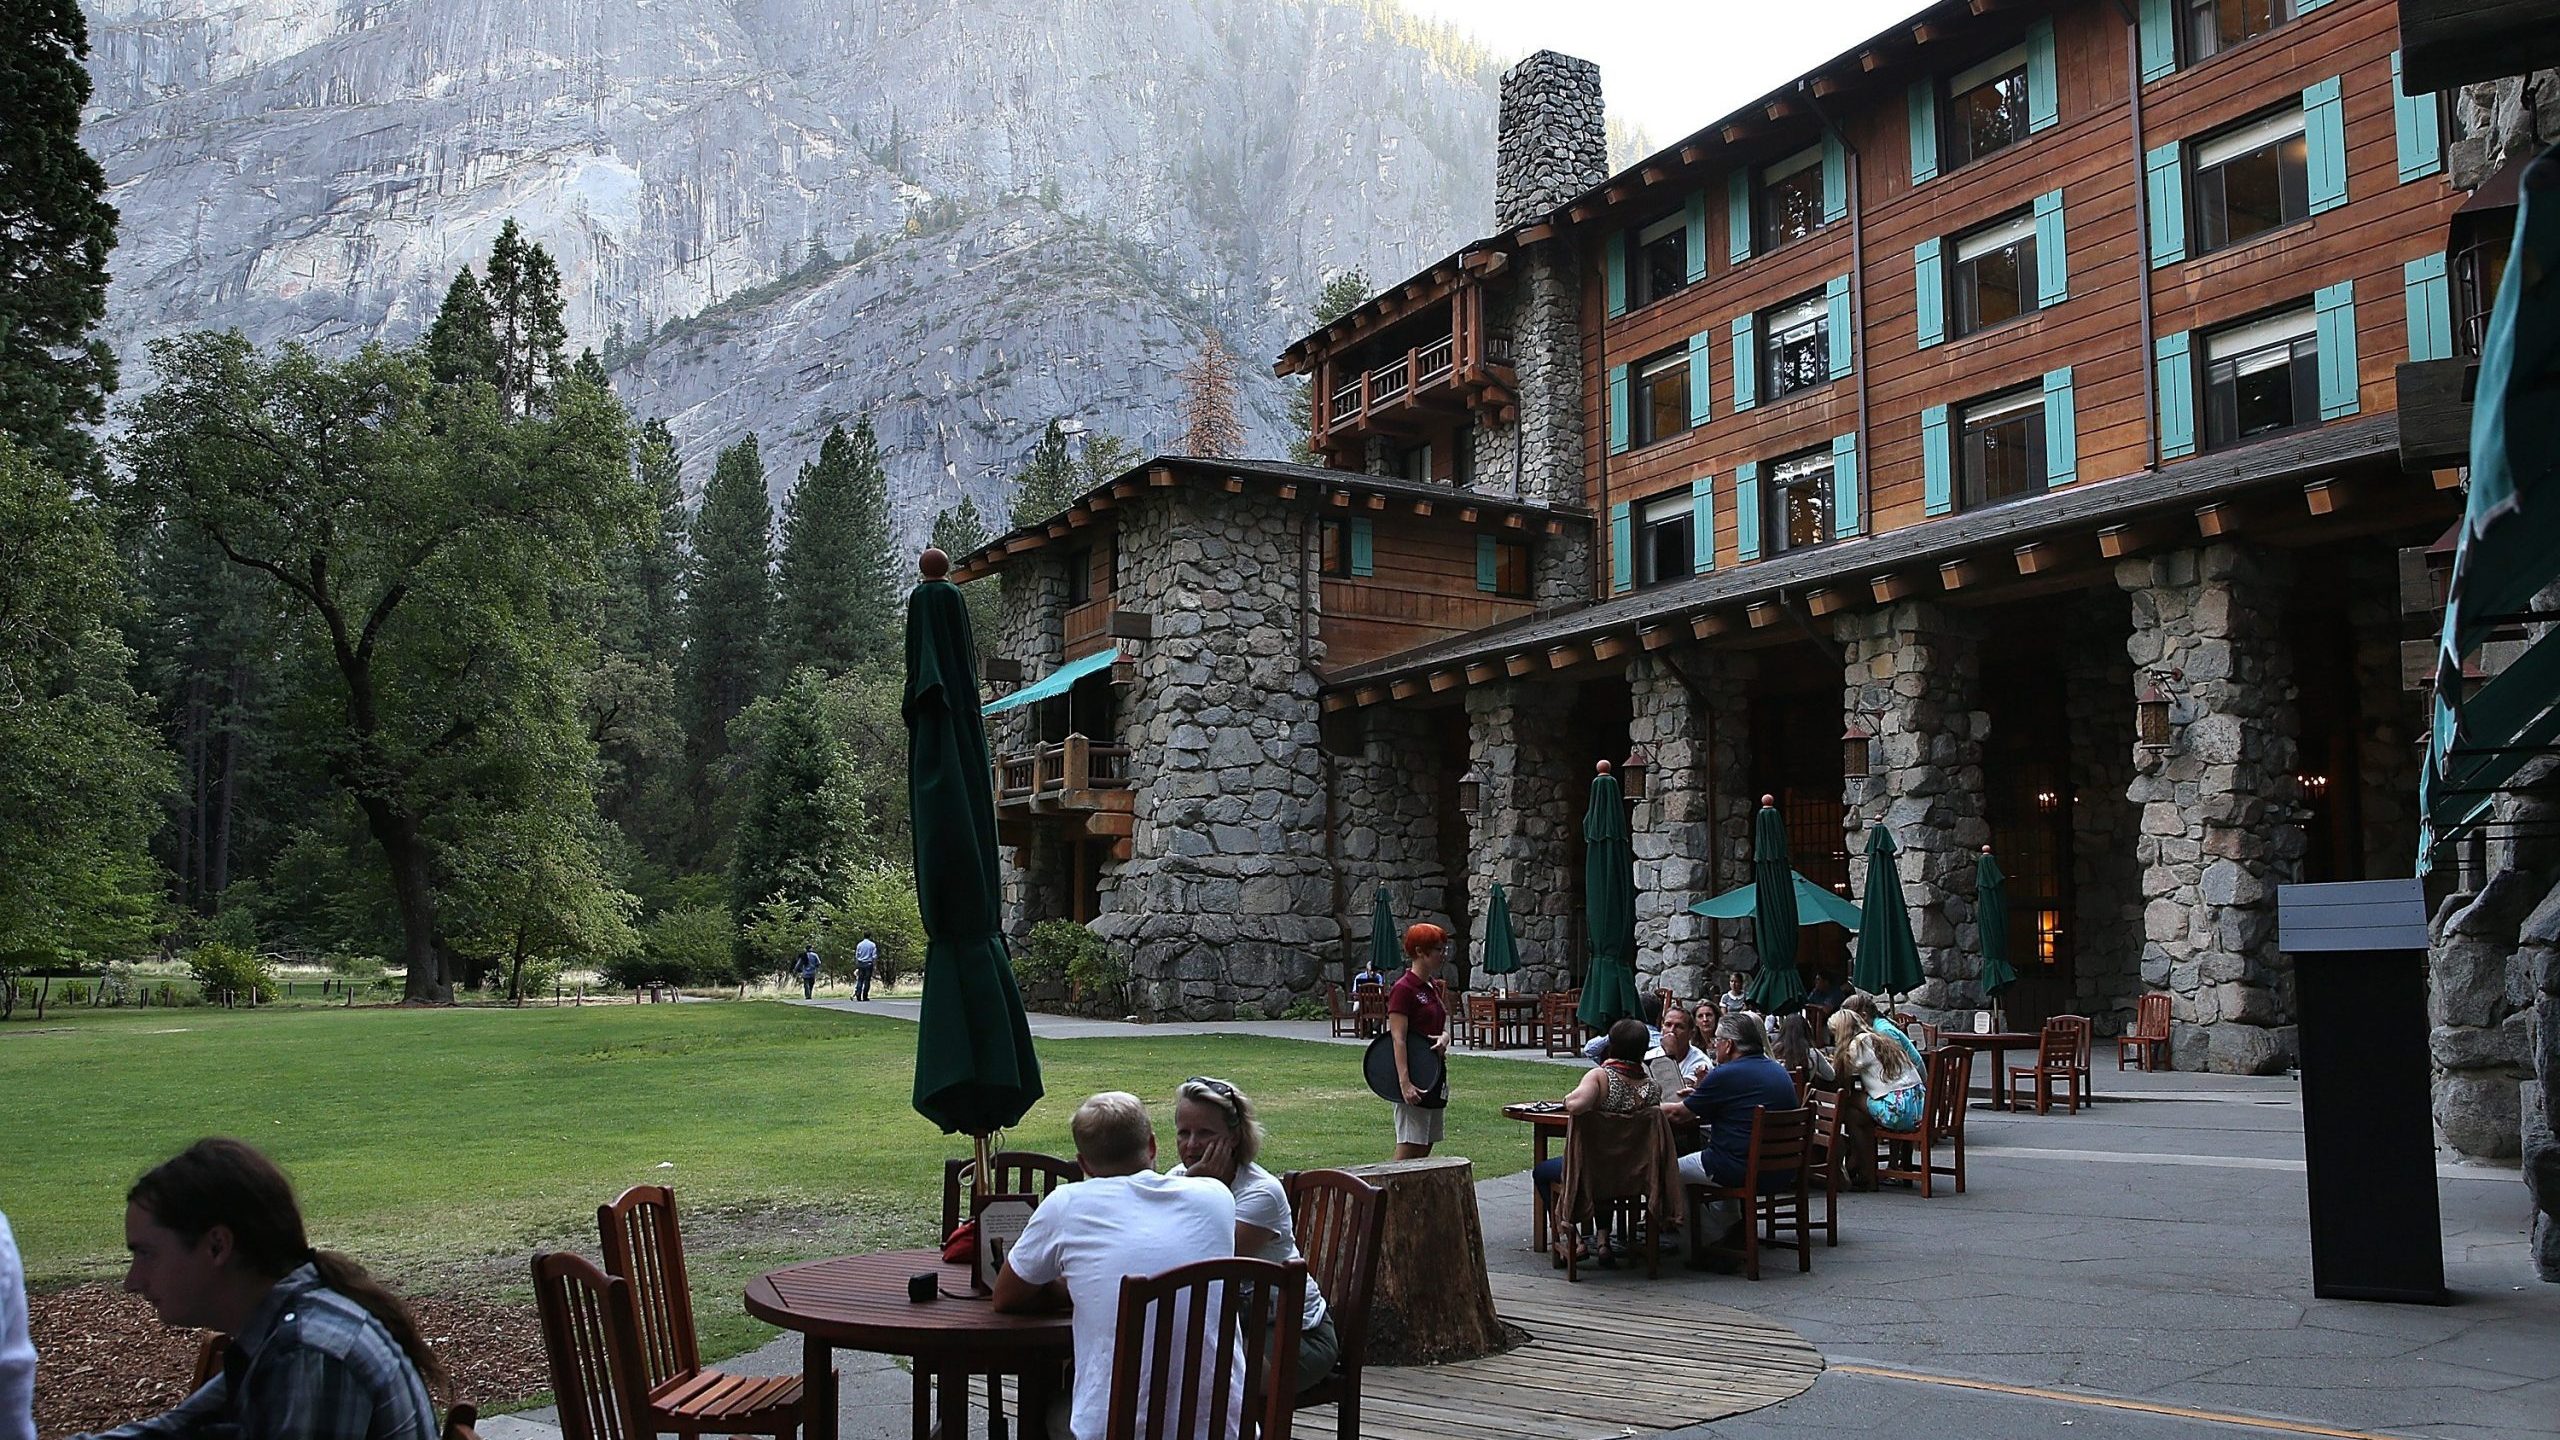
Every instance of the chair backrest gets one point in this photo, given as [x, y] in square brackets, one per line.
[2075, 1028]
[1480, 1008]
[1010, 1172]
[1950, 1080]
[2056, 1049]
[1333, 1001]
[2151, 1016]
[593, 1343]
[1780, 1140]
[209, 1353]
[1339, 1219]
[1929, 1036]
[1201, 1343]
[1622, 1149]
[1825, 1105]
[643, 1248]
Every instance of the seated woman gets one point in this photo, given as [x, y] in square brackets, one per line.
[1891, 1088]
[1214, 1129]
[318, 1347]
[1791, 1045]
[1618, 1085]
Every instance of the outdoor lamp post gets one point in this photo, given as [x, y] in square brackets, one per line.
[1470, 791]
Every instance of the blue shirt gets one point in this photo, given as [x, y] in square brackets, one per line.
[865, 953]
[1723, 1102]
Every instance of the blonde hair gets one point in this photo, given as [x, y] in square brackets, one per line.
[1848, 1027]
[1232, 1103]
[1112, 1132]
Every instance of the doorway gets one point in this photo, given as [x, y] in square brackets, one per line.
[2029, 804]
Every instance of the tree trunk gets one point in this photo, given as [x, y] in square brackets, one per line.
[406, 855]
[1432, 1303]
[219, 870]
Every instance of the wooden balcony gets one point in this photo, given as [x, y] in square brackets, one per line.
[1078, 784]
[1425, 378]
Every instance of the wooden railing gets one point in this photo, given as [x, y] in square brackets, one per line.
[1387, 384]
[1061, 771]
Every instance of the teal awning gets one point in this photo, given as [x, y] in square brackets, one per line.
[1056, 683]
[1819, 906]
[2478, 743]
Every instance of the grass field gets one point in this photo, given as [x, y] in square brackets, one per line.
[443, 1146]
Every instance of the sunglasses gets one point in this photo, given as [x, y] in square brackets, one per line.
[1224, 1093]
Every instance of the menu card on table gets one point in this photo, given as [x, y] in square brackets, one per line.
[1001, 1219]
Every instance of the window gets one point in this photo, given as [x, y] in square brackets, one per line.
[1657, 259]
[1511, 570]
[1662, 395]
[2251, 179]
[2214, 26]
[2260, 377]
[1079, 576]
[1414, 464]
[1791, 198]
[1995, 273]
[1664, 540]
[2001, 453]
[1987, 107]
[1796, 338]
[1462, 456]
[1800, 502]
[1337, 549]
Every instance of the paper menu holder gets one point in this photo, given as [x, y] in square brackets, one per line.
[1981, 1022]
[1000, 1221]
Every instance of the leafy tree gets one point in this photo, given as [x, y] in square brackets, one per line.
[529, 888]
[462, 348]
[836, 603]
[55, 230]
[1339, 296]
[728, 618]
[421, 542]
[1046, 483]
[693, 944]
[801, 823]
[631, 696]
[525, 309]
[79, 771]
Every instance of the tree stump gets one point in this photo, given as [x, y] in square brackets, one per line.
[1432, 1303]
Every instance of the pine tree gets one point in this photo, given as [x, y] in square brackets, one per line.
[960, 529]
[591, 370]
[653, 577]
[1209, 425]
[631, 704]
[1046, 482]
[460, 347]
[55, 230]
[836, 603]
[800, 823]
[525, 307]
[729, 616]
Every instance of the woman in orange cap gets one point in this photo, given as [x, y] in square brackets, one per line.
[1415, 1013]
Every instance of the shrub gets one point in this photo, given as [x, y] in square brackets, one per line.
[1305, 1007]
[879, 900]
[690, 945]
[1065, 950]
[219, 966]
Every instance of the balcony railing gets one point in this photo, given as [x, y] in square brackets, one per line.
[1063, 773]
[1400, 379]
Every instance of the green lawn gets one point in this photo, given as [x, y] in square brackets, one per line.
[443, 1146]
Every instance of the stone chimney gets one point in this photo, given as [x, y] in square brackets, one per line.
[1554, 140]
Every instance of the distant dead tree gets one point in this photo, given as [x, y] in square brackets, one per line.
[1209, 424]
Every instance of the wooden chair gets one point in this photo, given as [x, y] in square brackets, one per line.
[1825, 1105]
[2059, 1051]
[1339, 1219]
[1559, 1028]
[2148, 1044]
[1206, 1319]
[1781, 1140]
[1015, 1172]
[644, 1249]
[1909, 1154]
[1928, 1037]
[1337, 1008]
[1368, 1013]
[2084, 1039]
[1483, 1025]
[592, 1339]
[1621, 1194]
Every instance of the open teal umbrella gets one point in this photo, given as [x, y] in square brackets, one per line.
[975, 1069]
[1991, 913]
[1385, 954]
[1815, 904]
[1888, 958]
[1609, 903]
[1501, 947]
[1775, 920]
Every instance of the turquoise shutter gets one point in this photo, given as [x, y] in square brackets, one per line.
[2044, 98]
[2421, 132]
[2175, 375]
[1929, 292]
[1746, 363]
[1845, 511]
[2061, 429]
[1488, 565]
[2430, 308]
[1614, 260]
[2335, 306]
[1937, 462]
[1924, 130]
[2324, 133]
[1746, 510]
[1835, 178]
[1737, 216]
[1364, 547]
[1695, 229]
[1617, 409]
[1701, 381]
[2158, 26]
[2168, 196]
[2053, 266]
[1702, 524]
[1622, 549]
[1836, 290]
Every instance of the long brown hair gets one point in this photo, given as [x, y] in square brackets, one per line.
[229, 1183]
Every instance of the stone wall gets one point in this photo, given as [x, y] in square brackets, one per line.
[1388, 830]
[2498, 119]
[2220, 825]
[1223, 908]
[2480, 1005]
[2388, 758]
[1698, 813]
[1030, 627]
[2106, 880]
[1552, 138]
[1532, 787]
[1913, 672]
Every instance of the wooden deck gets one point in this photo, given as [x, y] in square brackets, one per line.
[1614, 1352]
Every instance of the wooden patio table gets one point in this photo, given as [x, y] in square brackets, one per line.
[1999, 1043]
[859, 1302]
[1546, 1127]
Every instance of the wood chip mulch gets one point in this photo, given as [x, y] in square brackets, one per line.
[103, 1357]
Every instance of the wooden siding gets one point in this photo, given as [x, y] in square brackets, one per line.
[1422, 587]
[2090, 155]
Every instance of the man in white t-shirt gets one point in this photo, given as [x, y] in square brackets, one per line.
[1676, 1061]
[1124, 1220]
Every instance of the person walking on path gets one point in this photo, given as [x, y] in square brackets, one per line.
[865, 956]
[807, 970]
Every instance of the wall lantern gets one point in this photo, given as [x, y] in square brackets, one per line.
[1470, 791]
[1857, 753]
[2151, 718]
[1632, 774]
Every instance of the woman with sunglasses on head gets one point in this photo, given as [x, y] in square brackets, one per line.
[1219, 1139]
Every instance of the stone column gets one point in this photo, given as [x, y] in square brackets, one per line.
[1530, 783]
[1387, 830]
[1912, 672]
[1692, 722]
[2220, 825]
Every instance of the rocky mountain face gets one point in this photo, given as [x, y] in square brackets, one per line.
[963, 217]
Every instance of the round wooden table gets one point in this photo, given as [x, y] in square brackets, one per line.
[859, 1302]
[1999, 1043]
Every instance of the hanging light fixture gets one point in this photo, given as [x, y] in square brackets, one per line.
[2151, 719]
[1631, 775]
[1470, 791]
[1857, 753]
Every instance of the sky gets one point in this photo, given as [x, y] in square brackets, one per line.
[1668, 67]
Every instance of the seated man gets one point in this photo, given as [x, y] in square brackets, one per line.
[1369, 978]
[1125, 1220]
[1825, 992]
[1744, 1079]
[1676, 1059]
[1596, 1048]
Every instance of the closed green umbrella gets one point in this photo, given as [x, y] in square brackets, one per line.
[1609, 903]
[1991, 912]
[1501, 947]
[975, 1069]
[1774, 918]
[1888, 958]
[1385, 954]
